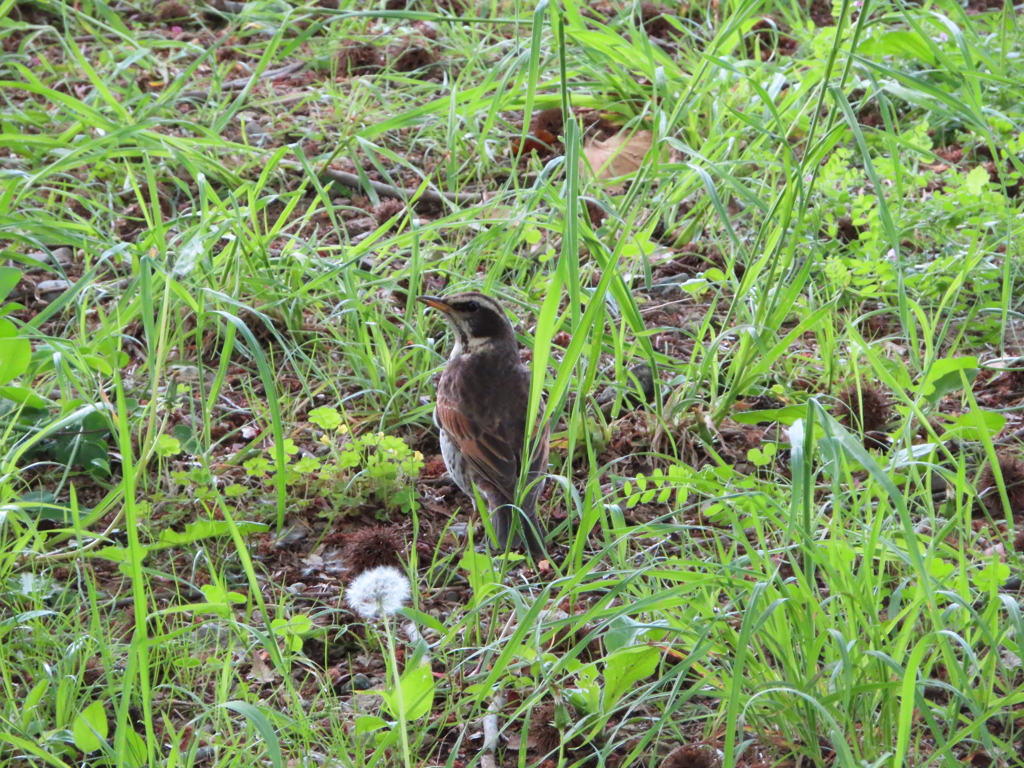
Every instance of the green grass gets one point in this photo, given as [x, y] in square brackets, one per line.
[752, 575]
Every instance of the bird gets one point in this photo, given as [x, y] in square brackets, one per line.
[481, 412]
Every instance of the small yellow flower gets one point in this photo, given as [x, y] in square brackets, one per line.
[325, 439]
[417, 455]
[343, 429]
[380, 434]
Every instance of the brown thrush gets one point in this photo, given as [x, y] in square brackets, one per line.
[482, 400]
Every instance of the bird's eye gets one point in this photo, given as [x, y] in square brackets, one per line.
[471, 306]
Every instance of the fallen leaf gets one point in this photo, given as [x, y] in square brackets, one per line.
[261, 672]
[620, 155]
[540, 142]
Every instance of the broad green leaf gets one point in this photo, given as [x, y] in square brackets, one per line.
[940, 569]
[167, 446]
[117, 554]
[483, 577]
[90, 727]
[15, 352]
[623, 631]
[945, 377]
[761, 457]
[785, 415]
[219, 593]
[204, 529]
[9, 277]
[900, 43]
[325, 417]
[24, 396]
[973, 425]
[135, 750]
[369, 724]
[991, 576]
[298, 624]
[626, 667]
[417, 688]
[976, 180]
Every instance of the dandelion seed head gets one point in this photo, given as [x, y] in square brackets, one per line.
[378, 591]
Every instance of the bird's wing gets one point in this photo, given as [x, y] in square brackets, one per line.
[542, 444]
[485, 443]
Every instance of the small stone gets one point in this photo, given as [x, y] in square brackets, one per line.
[645, 377]
[62, 255]
[426, 28]
[358, 681]
[48, 290]
[256, 133]
[1010, 659]
[361, 682]
[291, 535]
[360, 226]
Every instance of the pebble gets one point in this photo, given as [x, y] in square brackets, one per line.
[48, 290]
[293, 534]
[256, 133]
[62, 255]
[360, 226]
[670, 284]
[361, 682]
[358, 682]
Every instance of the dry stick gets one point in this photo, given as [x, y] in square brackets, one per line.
[429, 195]
[491, 732]
[243, 82]
[1011, 438]
[190, 596]
[71, 554]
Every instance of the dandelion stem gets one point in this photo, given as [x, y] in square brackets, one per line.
[397, 683]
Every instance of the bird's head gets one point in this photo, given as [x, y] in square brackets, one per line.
[479, 321]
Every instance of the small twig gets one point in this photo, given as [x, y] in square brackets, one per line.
[1013, 437]
[386, 190]
[242, 83]
[70, 554]
[192, 595]
[491, 732]
[92, 38]
[289, 98]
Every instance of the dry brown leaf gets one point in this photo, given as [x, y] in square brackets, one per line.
[620, 155]
[261, 672]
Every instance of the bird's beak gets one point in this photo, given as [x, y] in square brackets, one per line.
[439, 304]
